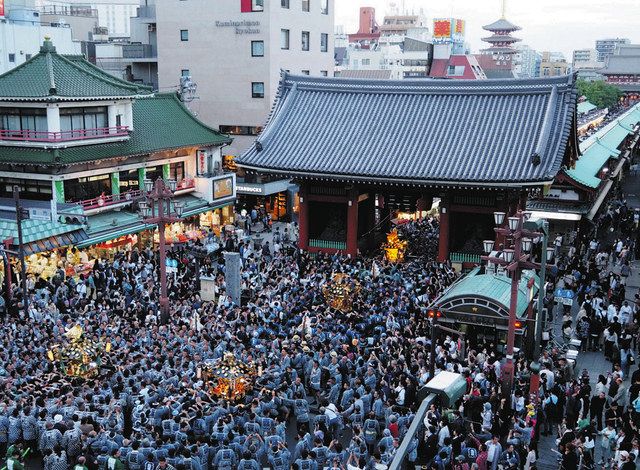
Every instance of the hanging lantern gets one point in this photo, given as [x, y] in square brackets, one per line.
[340, 292]
[395, 248]
[227, 378]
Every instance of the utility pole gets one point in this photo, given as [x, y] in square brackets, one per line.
[23, 267]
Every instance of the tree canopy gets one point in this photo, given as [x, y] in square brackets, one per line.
[600, 93]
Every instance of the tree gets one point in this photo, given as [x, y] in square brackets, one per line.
[600, 93]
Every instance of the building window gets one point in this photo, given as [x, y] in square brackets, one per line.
[305, 40]
[305, 72]
[176, 171]
[306, 5]
[78, 119]
[324, 7]
[27, 56]
[185, 73]
[284, 3]
[324, 73]
[284, 39]
[23, 119]
[240, 130]
[257, 5]
[324, 42]
[184, 34]
[257, 48]
[366, 61]
[257, 90]
[12, 57]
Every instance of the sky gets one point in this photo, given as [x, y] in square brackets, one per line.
[547, 25]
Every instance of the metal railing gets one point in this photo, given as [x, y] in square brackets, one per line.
[28, 135]
[129, 196]
[328, 244]
[464, 258]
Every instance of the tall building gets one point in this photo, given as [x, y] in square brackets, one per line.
[584, 56]
[498, 59]
[112, 14]
[553, 64]
[368, 29]
[231, 54]
[527, 62]
[606, 47]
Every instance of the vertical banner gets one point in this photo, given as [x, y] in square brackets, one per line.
[142, 174]
[115, 183]
[1, 7]
[58, 187]
[166, 171]
[202, 162]
[232, 275]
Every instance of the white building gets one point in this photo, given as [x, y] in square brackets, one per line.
[112, 14]
[234, 52]
[22, 34]
[586, 59]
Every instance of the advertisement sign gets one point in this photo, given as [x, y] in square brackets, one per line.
[448, 30]
[1, 7]
[222, 188]
[202, 162]
[441, 29]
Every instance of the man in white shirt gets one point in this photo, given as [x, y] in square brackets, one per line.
[626, 312]
[612, 312]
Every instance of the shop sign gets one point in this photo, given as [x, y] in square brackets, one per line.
[202, 162]
[240, 27]
[249, 189]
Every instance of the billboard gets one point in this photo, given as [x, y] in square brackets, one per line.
[222, 188]
[448, 30]
[1, 7]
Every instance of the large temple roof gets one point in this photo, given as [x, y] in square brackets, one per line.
[484, 132]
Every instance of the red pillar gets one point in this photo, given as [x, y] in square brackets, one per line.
[443, 242]
[352, 223]
[303, 220]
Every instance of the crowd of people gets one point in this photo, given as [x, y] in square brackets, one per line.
[336, 389]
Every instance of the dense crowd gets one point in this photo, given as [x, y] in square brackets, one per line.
[336, 390]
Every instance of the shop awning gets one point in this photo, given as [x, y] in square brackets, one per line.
[110, 235]
[55, 241]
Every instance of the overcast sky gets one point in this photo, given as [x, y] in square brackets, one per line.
[555, 25]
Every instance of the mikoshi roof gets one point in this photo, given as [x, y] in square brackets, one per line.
[476, 132]
[161, 122]
[49, 76]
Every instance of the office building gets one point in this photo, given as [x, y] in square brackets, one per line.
[606, 47]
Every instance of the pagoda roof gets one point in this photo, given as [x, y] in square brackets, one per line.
[49, 76]
[502, 25]
[161, 122]
[500, 50]
[449, 132]
[497, 38]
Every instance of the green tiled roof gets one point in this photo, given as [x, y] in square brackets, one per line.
[49, 76]
[602, 146]
[585, 107]
[492, 287]
[161, 122]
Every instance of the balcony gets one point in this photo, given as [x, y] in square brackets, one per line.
[112, 201]
[74, 137]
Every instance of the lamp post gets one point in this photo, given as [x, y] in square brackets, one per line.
[19, 217]
[514, 259]
[156, 209]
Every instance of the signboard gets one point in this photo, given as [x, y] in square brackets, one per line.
[1, 7]
[240, 27]
[222, 188]
[564, 296]
[250, 189]
[202, 162]
[564, 195]
[448, 30]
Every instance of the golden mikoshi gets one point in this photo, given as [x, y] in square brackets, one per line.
[228, 377]
[395, 248]
[78, 357]
[340, 292]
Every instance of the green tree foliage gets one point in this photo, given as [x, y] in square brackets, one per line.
[600, 93]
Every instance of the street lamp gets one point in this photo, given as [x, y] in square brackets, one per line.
[155, 209]
[514, 259]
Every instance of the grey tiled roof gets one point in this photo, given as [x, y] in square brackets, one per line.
[376, 74]
[622, 64]
[417, 131]
[501, 25]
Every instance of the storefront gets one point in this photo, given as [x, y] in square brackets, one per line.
[278, 198]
